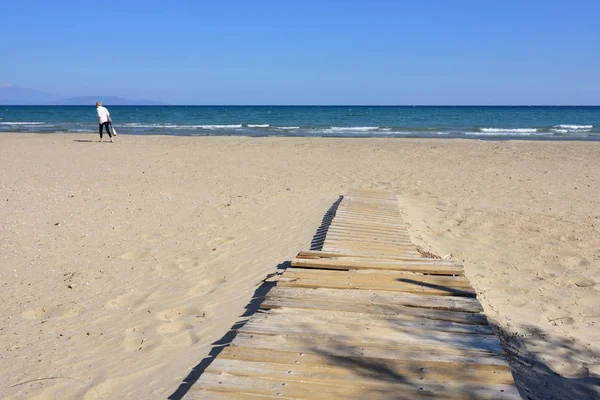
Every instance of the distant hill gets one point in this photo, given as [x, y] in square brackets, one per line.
[16, 95]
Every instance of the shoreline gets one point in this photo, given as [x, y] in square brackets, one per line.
[122, 264]
[477, 137]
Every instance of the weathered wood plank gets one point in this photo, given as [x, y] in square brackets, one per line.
[396, 286]
[322, 391]
[274, 303]
[375, 274]
[360, 373]
[374, 320]
[359, 232]
[429, 267]
[380, 276]
[385, 334]
[344, 347]
[370, 256]
[381, 298]
[368, 239]
[382, 368]
[371, 253]
[200, 393]
[370, 321]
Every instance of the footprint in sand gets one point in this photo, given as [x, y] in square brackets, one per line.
[187, 263]
[177, 333]
[133, 255]
[136, 339]
[50, 312]
[206, 286]
[173, 314]
[127, 300]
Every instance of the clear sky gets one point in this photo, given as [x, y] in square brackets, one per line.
[307, 52]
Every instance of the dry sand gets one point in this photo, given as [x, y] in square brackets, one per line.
[122, 263]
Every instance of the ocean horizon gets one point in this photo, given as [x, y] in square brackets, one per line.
[426, 121]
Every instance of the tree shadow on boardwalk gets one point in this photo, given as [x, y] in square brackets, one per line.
[534, 379]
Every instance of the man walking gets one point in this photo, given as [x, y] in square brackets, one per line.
[104, 120]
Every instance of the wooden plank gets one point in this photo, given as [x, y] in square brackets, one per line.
[364, 261]
[413, 266]
[392, 222]
[288, 389]
[382, 298]
[366, 214]
[371, 253]
[354, 246]
[200, 393]
[393, 369]
[442, 340]
[358, 375]
[374, 246]
[368, 245]
[396, 287]
[340, 230]
[339, 254]
[367, 227]
[362, 237]
[380, 276]
[370, 221]
[344, 347]
[274, 303]
[367, 239]
[370, 321]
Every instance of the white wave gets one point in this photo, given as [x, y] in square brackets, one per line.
[355, 128]
[574, 127]
[215, 126]
[288, 127]
[21, 123]
[349, 129]
[258, 125]
[173, 126]
[508, 130]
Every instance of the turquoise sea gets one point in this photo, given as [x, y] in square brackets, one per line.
[484, 122]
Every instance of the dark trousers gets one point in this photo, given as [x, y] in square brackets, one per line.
[108, 130]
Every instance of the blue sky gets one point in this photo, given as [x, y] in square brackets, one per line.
[307, 52]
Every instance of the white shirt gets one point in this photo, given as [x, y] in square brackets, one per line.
[103, 114]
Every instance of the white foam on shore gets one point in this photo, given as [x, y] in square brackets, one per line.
[505, 131]
[574, 127]
[173, 126]
[349, 129]
[22, 123]
[258, 125]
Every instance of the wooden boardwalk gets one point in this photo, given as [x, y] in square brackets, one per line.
[364, 316]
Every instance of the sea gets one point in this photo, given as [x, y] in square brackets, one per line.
[481, 122]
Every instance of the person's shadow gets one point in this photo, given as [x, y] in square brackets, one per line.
[84, 141]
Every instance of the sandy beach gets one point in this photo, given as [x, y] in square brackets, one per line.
[123, 263]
